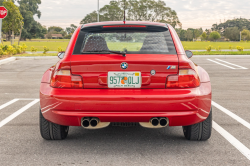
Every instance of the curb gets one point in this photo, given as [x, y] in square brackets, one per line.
[7, 60]
[36, 57]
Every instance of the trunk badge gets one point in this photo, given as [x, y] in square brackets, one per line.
[124, 65]
[171, 67]
[152, 72]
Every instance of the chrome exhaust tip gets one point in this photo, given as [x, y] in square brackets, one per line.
[94, 122]
[85, 122]
[154, 121]
[163, 122]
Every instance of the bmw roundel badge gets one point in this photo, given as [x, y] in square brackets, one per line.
[124, 65]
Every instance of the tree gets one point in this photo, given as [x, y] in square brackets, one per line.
[197, 32]
[55, 29]
[245, 34]
[204, 35]
[214, 35]
[71, 29]
[232, 33]
[240, 23]
[31, 28]
[136, 10]
[183, 35]
[14, 20]
[189, 35]
[113, 11]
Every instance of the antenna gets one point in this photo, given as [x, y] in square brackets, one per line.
[124, 19]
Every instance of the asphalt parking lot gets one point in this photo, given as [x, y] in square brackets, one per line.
[21, 143]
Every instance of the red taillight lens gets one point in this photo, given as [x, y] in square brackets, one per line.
[64, 79]
[186, 79]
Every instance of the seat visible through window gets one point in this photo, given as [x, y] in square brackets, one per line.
[155, 42]
[95, 43]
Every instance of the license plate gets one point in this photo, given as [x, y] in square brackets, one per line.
[124, 79]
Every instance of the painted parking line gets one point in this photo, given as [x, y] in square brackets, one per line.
[8, 103]
[230, 138]
[18, 112]
[236, 143]
[231, 64]
[232, 115]
[221, 64]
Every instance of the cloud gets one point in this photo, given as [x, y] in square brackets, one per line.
[192, 13]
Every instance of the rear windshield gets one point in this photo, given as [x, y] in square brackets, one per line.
[130, 41]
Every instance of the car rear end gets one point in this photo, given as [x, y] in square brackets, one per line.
[133, 72]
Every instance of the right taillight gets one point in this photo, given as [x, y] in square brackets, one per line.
[64, 79]
[187, 78]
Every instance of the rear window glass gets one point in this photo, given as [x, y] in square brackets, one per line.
[131, 41]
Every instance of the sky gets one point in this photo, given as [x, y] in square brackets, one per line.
[191, 13]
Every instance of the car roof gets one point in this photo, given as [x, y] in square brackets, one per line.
[126, 23]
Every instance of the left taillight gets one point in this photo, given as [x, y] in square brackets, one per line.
[187, 78]
[64, 79]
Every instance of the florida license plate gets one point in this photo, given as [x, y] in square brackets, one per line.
[124, 79]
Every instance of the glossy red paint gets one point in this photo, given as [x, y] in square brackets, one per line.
[182, 106]
[92, 68]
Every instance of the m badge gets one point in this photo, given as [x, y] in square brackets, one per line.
[171, 67]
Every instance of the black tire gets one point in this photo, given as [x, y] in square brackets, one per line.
[200, 131]
[52, 131]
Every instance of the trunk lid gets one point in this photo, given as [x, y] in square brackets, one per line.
[94, 68]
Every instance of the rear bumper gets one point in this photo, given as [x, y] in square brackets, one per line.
[181, 106]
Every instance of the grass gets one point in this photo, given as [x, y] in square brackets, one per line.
[121, 45]
[222, 53]
[53, 44]
[224, 45]
[48, 54]
[195, 53]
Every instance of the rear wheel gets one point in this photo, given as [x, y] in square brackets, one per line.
[52, 131]
[200, 131]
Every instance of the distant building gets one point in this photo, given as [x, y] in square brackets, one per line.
[198, 39]
[54, 36]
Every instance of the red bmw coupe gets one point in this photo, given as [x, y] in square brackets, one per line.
[125, 74]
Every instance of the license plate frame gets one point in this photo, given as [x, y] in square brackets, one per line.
[118, 80]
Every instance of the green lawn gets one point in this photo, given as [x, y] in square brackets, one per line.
[195, 53]
[224, 45]
[120, 45]
[53, 44]
[222, 53]
[49, 54]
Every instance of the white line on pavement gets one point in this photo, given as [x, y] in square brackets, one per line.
[232, 115]
[26, 99]
[231, 63]
[18, 112]
[8, 103]
[221, 64]
[236, 143]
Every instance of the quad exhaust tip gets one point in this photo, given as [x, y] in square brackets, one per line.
[94, 122]
[154, 121]
[90, 122]
[85, 122]
[162, 122]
